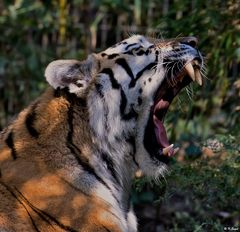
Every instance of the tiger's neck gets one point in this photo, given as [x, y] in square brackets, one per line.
[113, 137]
[100, 142]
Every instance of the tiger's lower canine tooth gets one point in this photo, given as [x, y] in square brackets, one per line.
[167, 149]
[198, 77]
[138, 173]
[195, 62]
[190, 71]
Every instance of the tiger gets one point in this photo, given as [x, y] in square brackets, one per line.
[68, 160]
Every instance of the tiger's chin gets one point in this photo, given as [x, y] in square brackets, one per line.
[151, 169]
[156, 142]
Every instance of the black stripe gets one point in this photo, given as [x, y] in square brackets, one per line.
[140, 53]
[105, 228]
[99, 89]
[147, 52]
[15, 196]
[109, 72]
[36, 210]
[110, 165]
[75, 188]
[131, 140]
[139, 101]
[133, 51]
[123, 63]
[10, 143]
[129, 53]
[83, 162]
[137, 48]
[33, 222]
[43, 214]
[70, 97]
[57, 92]
[131, 114]
[123, 102]
[30, 118]
[112, 56]
[140, 73]
[130, 45]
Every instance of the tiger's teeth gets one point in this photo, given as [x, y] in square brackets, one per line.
[167, 149]
[138, 173]
[176, 150]
[190, 71]
[198, 77]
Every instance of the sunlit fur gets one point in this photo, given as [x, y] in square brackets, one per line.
[68, 160]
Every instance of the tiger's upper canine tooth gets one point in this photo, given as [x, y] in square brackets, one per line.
[167, 149]
[176, 150]
[198, 77]
[138, 173]
[190, 71]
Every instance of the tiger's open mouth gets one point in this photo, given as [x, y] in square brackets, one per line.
[157, 143]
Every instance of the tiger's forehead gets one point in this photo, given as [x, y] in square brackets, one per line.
[128, 44]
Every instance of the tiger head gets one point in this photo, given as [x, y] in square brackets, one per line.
[128, 89]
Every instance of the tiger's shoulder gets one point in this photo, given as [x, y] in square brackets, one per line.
[35, 162]
[34, 124]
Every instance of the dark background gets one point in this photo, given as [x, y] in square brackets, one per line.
[202, 191]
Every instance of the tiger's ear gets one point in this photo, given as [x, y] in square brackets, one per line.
[73, 74]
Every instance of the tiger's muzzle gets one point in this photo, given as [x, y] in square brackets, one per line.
[182, 66]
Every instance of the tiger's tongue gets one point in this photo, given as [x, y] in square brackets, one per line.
[160, 130]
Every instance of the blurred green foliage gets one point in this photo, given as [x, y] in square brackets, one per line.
[201, 194]
[33, 33]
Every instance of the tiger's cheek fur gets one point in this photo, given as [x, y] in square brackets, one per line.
[122, 88]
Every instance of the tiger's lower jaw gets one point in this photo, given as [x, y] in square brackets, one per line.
[155, 138]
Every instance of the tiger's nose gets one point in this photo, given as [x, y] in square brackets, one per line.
[191, 41]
